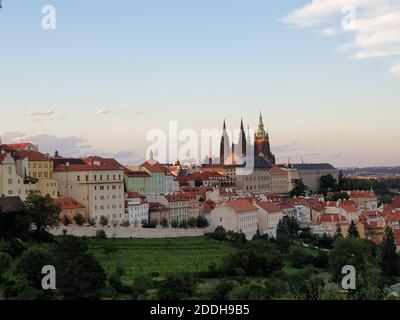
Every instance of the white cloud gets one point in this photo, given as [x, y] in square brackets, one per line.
[41, 116]
[102, 112]
[395, 69]
[374, 23]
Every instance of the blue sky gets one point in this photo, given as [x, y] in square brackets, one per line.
[148, 62]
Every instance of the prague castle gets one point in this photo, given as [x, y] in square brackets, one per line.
[231, 154]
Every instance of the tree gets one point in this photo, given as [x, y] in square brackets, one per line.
[66, 221]
[352, 232]
[299, 188]
[79, 219]
[338, 233]
[43, 211]
[222, 290]
[79, 275]
[5, 262]
[15, 225]
[298, 257]
[202, 222]
[387, 253]
[252, 291]
[103, 221]
[177, 287]
[192, 222]
[174, 224]
[31, 263]
[351, 251]
[327, 182]
[164, 223]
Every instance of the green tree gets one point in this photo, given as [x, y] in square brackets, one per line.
[328, 182]
[338, 233]
[79, 275]
[299, 188]
[202, 222]
[351, 251]
[252, 291]
[177, 287]
[79, 219]
[31, 263]
[192, 222]
[352, 232]
[66, 221]
[387, 253]
[43, 211]
[103, 221]
[164, 223]
[5, 262]
[222, 290]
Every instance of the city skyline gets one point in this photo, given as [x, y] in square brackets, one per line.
[99, 87]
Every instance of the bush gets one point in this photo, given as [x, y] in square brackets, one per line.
[66, 221]
[321, 260]
[202, 222]
[177, 287]
[222, 290]
[192, 222]
[101, 234]
[14, 248]
[164, 223]
[149, 225]
[298, 257]
[252, 291]
[5, 262]
[183, 224]
[79, 219]
[219, 234]
[175, 224]
[103, 221]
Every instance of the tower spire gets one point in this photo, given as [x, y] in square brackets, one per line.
[261, 131]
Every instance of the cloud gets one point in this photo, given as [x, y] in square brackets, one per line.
[375, 24]
[395, 69]
[102, 112]
[69, 146]
[42, 116]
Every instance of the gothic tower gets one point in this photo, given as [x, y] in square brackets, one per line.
[242, 140]
[262, 146]
[224, 147]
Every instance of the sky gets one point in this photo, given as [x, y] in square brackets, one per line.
[324, 73]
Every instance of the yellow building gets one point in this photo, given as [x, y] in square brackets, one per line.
[40, 167]
[280, 180]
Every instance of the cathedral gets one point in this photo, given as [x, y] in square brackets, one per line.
[234, 154]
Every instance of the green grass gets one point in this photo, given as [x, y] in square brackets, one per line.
[144, 256]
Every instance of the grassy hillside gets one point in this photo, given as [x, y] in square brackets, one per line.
[144, 256]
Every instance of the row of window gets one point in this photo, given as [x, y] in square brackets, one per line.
[39, 165]
[259, 187]
[102, 177]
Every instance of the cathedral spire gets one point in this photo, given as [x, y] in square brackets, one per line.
[242, 140]
[261, 131]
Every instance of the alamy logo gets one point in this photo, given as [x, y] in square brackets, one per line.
[49, 18]
[49, 280]
[349, 280]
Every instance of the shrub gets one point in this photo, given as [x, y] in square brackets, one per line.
[104, 221]
[101, 234]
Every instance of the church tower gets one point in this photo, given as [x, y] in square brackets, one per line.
[262, 147]
[242, 141]
[224, 147]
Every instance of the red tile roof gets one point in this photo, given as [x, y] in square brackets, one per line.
[155, 167]
[349, 206]
[332, 218]
[31, 156]
[241, 205]
[91, 163]
[68, 204]
[269, 206]
[136, 174]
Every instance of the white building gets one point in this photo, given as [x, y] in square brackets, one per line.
[269, 216]
[237, 216]
[97, 183]
[136, 209]
[11, 184]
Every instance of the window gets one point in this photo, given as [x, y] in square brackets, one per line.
[9, 170]
[79, 178]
